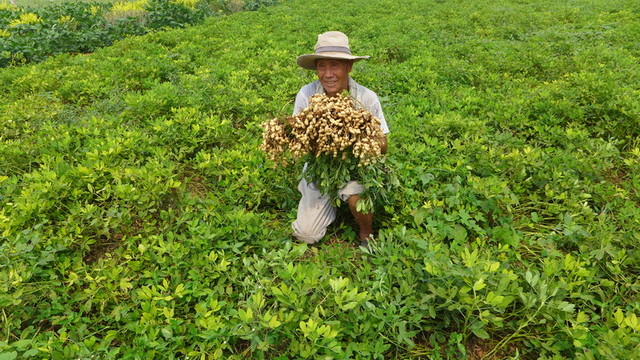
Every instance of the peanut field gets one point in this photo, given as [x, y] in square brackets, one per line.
[139, 218]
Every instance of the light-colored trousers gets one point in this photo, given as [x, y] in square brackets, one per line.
[315, 211]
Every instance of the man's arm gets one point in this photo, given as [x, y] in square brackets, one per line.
[372, 103]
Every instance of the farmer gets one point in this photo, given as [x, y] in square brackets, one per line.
[333, 61]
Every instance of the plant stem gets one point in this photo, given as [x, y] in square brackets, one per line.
[506, 340]
[4, 319]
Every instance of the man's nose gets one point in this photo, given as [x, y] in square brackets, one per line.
[328, 73]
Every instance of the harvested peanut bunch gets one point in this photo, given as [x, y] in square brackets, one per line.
[331, 126]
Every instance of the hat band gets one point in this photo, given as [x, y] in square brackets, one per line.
[342, 49]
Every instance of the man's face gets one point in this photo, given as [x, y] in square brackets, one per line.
[334, 75]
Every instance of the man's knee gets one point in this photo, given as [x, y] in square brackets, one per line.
[309, 236]
[310, 240]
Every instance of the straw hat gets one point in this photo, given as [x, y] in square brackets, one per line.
[330, 45]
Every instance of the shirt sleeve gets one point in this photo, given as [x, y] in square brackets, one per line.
[302, 99]
[302, 102]
[373, 105]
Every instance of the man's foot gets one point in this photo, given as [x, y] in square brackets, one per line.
[364, 244]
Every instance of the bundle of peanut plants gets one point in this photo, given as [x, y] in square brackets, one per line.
[338, 140]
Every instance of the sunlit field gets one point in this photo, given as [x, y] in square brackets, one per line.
[139, 218]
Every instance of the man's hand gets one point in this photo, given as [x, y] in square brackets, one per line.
[383, 144]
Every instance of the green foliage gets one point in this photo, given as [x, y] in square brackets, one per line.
[64, 28]
[252, 5]
[139, 219]
[332, 174]
[82, 27]
[44, 3]
[166, 14]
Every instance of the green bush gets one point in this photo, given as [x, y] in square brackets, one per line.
[166, 14]
[83, 27]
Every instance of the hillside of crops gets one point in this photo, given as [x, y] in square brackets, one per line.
[140, 220]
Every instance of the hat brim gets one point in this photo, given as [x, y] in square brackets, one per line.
[309, 61]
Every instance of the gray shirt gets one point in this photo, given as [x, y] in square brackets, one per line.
[366, 97]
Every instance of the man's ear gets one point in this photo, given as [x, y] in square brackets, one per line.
[350, 65]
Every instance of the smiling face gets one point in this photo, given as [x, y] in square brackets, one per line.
[334, 75]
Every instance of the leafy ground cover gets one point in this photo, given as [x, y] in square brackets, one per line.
[44, 3]
[34, 30]
[139, 219]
